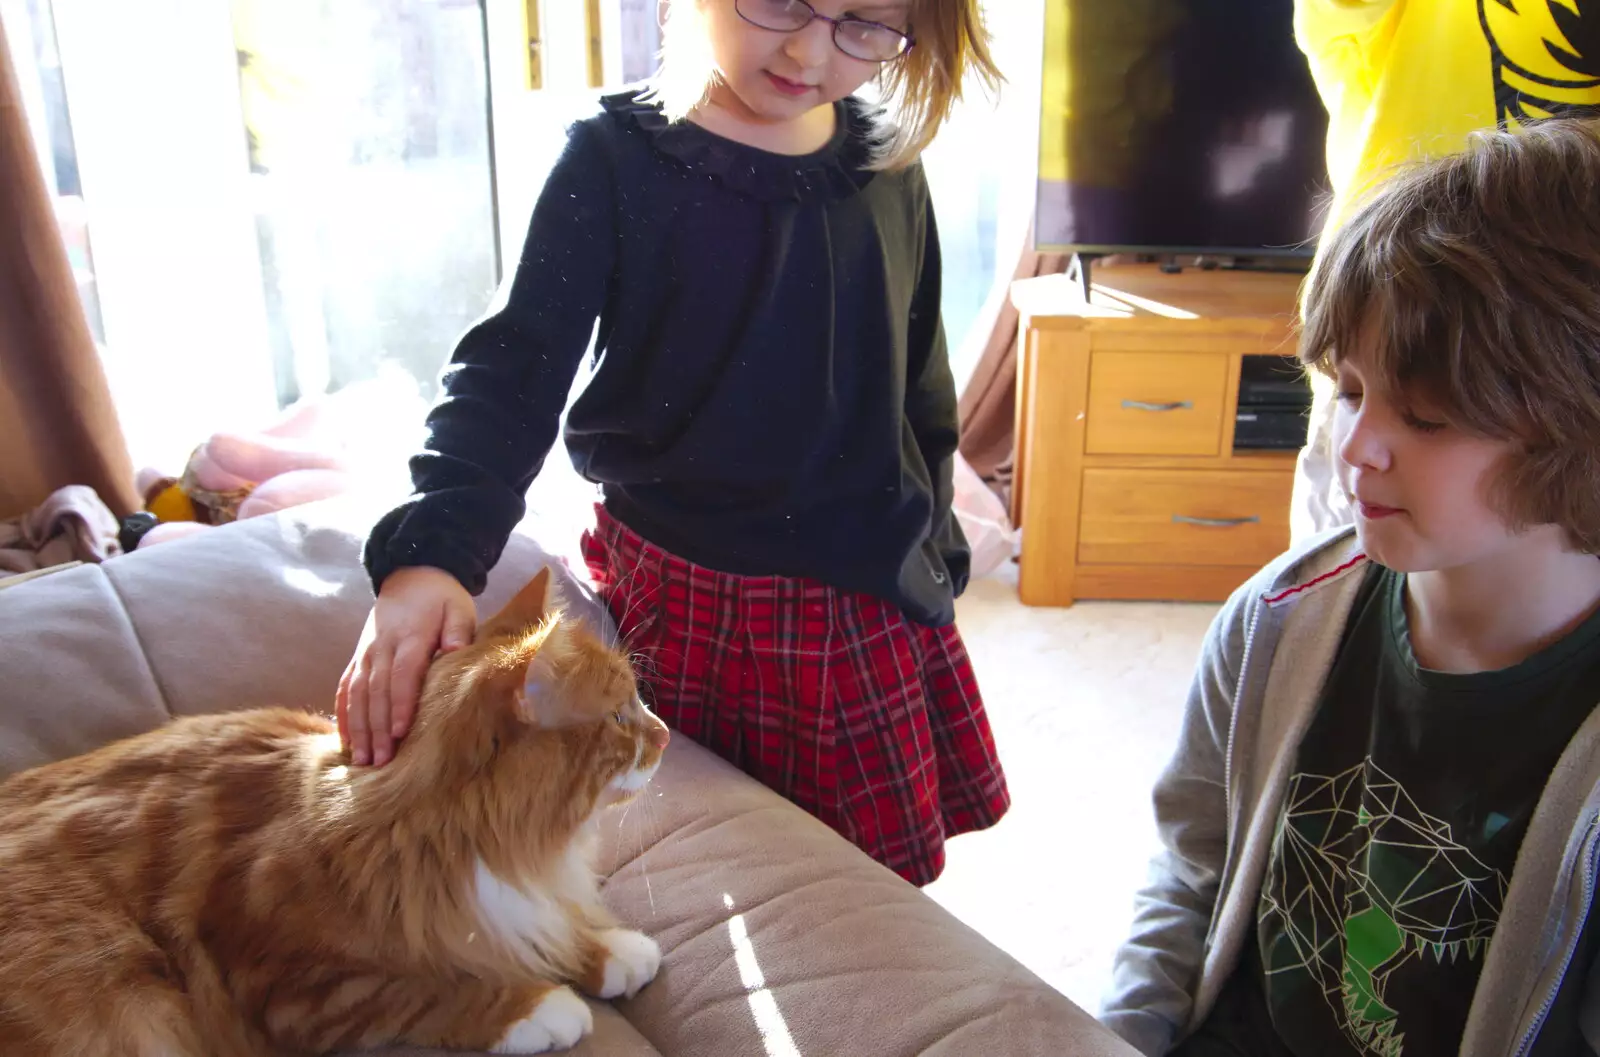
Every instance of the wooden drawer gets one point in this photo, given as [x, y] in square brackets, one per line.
[1156, 403]
[1184, 517]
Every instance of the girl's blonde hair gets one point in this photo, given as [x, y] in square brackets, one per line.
[918, 90]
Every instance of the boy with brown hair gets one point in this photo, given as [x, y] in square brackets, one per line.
[1382, 820]
[1406, 80]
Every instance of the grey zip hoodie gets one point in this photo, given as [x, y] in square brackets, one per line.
[1217, 804]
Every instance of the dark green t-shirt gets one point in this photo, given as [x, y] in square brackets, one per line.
[1411, 795]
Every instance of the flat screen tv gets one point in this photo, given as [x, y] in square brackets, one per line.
[1179, 127]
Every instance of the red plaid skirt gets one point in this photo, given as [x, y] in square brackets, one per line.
[866, 719]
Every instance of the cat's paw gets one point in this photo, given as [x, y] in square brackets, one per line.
[558, 1022]
[632, 961]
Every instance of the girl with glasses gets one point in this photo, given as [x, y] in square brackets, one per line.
[772, 419]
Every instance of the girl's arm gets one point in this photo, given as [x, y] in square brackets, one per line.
[931, 393]
[508, 380]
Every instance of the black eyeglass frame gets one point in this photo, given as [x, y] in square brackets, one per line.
[848, 20]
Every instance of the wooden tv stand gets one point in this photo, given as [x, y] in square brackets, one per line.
[1127, 485]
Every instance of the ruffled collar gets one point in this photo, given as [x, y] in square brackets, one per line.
[836, 171]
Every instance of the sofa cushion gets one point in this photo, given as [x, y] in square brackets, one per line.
[73, 672]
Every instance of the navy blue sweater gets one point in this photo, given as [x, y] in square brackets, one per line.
[772, 397]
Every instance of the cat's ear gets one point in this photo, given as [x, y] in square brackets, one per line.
[545, 697]
[526, 610]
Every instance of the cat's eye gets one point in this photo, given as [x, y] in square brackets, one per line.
[618, 718]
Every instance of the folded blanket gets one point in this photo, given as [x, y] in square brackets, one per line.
[72, 525]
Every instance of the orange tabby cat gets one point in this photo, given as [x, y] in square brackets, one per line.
[229, 885]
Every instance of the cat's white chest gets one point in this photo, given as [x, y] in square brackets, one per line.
[518, 916]
[533, 921]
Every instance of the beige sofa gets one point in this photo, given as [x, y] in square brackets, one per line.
[780, 939]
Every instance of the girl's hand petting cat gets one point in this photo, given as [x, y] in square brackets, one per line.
[420, 611]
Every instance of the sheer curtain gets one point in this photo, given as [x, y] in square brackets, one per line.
[982, 171]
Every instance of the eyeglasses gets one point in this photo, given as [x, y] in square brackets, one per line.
[856, 37]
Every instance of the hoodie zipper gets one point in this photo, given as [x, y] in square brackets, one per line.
[1524, 1046]
[1233, 718]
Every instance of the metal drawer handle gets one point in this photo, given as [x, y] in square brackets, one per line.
[1145, 405]
[1215, 522]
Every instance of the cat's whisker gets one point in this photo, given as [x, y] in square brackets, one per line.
[633, 630]
[644, 665]
[650, 656]
[646, 839]
[638, 602]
